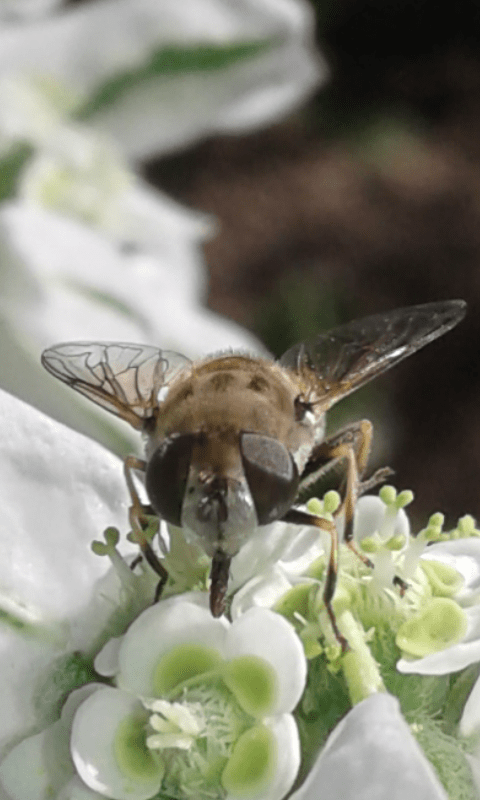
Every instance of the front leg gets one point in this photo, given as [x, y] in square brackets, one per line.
[305, 518]
[138, 518]
[350, 449]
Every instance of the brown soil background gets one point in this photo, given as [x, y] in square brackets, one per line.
[365, 200]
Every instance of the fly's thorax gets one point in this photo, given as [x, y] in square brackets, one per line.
[234, 392]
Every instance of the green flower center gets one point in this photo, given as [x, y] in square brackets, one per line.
[205, 730]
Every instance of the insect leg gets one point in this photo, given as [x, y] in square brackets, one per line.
[353, 447]
[349, 447]
[139, 521]
[305, 518]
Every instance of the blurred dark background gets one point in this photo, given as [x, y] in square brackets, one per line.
[366, 200]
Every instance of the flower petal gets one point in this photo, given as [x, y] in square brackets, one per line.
[262, 633]
[283, 766]
[95, 731]
[58, 491]
[464, 556]
[167, 625]
[369, 517]
[293, 546]
[62, 280]
[170, 111]
[470, 721]
[47, 755]
[371, 755]
[453, 658]
[76, 790]
[285, 731]
[49, 765]
[263, 591]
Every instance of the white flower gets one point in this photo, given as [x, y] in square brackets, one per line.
[156, 76]
[453, 570]
[191, 692]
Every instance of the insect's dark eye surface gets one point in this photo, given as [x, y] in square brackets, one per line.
[271, 474]
[166, 476]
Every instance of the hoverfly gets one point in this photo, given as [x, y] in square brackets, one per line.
[232, 440]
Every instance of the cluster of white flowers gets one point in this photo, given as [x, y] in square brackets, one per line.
[107, 696]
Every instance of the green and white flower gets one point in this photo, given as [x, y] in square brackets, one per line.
[106, 696]
[199, 708]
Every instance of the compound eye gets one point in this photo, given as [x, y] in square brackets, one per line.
[167, 474]
[271, 474]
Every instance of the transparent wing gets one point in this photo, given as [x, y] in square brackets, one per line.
[123, 378]
[337, 362]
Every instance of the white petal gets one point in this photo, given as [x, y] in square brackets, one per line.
[75, 700]
[292, 545]
[47, 754]
[76, 790]
[369, 516]
[470, 721]
[371, 755]
[56, 252]
[158, 630]
[453, 658]
[106, 662]
[263, 591]
[263, 633]
[464, 556]
[58, 492]
[285, 732]
[288, 741]
[93, 732]
[13, 10]
[173, 112]
[49, 765]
